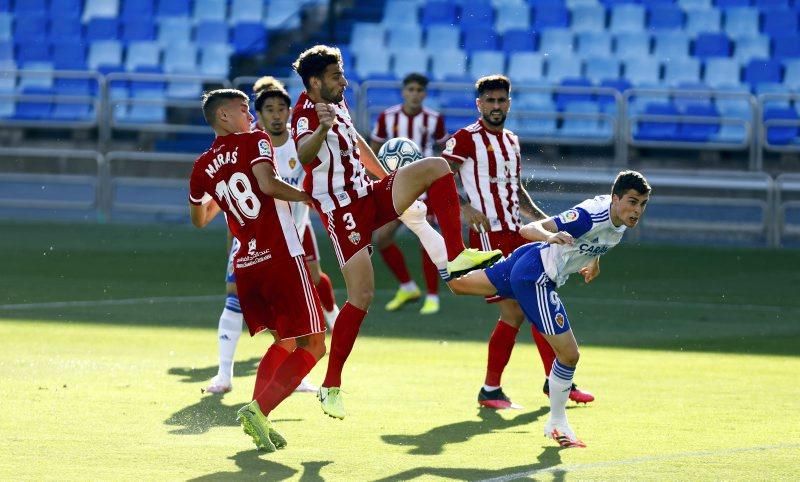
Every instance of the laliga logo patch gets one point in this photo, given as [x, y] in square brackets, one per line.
[451, 144]
[568, 216]
[302, 125]
[560, 320]
[354, 237]
[263, 148]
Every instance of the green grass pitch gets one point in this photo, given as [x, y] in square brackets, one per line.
[109, 333]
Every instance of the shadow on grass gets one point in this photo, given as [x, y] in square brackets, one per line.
[203, 375]
[550, 457]
[253, 465]
[433, 441]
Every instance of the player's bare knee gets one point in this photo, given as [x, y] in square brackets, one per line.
[436, 167]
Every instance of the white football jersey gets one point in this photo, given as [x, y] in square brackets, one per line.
[291, 170]
[590, 224]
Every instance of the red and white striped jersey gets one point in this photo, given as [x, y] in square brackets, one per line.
[336, 176]
[262, 224]
[490, 172]
[426, 127]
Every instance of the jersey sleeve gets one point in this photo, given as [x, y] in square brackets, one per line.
[459, 148]
[304, 123]
[197, 192]
[379, 131]
[440, 132]
[575, 221]
[264, 151]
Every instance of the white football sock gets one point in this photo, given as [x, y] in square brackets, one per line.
[230, 329]
[560, 381]
[432, 241]
[409, 286]
[490, 388]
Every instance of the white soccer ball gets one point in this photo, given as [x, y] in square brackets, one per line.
[397, 152]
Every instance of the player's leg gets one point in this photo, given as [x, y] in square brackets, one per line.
[229, 330]
[431, 272]
[560, 380]
[408, 290]
[501, 344]
[548, 356]
[321, 280]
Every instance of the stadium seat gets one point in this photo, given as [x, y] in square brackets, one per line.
[249, 38]
[483, 63]
[627, 18]
[478, 14]
[102, 28]
[409, 60]
[759, 71]
[439, 12]
[791, 75]
[400, 13]
[214, 60]
[711, 45]
[699, 132]
[64, 9]
[689, 4]
[681, 70]
[550, 15]
[779, 22]
[748, 48]
[702, 20]
[670, 45]
[371, 62]
[512, 16]
[33, 52]
[607, 102]
[530, 126]
[768, 4]
[785, 47]
[367, 36]
[6, 52]
[104, 53]
[525, 67]
[563, 98]
[27, 7]
[34, 109]
[29, 29]
[448, 63]
[518, 41]
[173, 9]
[583, 126]
[556, 42]
[594, 44]
[664, 17]
[137, 30]
[180, 59]
[480, 39]
[643, 72]
[658, 130]
[6, 32]
[741, 22]
[404, 37]
[246, 10]
[147, 113]
[142, 54]
[559, 69]
[588, 18]
[732, 3]
[442, 37]
[598, 69]
[781, 135]
[69, 55]
[137, 9]
[721, 72]
[174, 30]
[283, 15]
[99, 8]
[210, 10]
[629, 46]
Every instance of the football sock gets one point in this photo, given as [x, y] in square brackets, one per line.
[432, 242]
[545, 350]
[560, 384]
[345, 331]
[490, 388]
[433, 297]
[501, 343]
[228, 333]
[443, 200]
[409, 286]
[431, 274]
[287, 377]
[270, 362]
[393, 258]
[325, 291]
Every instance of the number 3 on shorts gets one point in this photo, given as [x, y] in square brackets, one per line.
[350, 222]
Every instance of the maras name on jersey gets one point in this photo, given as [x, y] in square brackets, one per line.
[221, 160]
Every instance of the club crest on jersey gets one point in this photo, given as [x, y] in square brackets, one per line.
[354, 237]
[560, 320]
[568, 216]
[251, 247]
[263, 148]
[451, 144]
[292, 163]
[302, 125]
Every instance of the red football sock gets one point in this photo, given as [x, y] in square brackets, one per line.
[431, 274]
[345, 331]
[394, 259]
[287, 377]
[500, 345]
[325, 291]
[272, 359]
[443, 201]
[545, 350]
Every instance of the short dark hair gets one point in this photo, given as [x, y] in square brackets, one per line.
[627, 180]
[269, 93]
[417, 78]
[214, 98]
[313, 62]
[492, 82]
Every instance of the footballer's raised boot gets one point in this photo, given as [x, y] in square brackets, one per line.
[496, 399]
[277, 439]
[430, 307]
[402, 297]
[256, 425]
[218, 385]
[575, 394]
[330, 398]
[563, 434]
[471, 259]
[306, 386]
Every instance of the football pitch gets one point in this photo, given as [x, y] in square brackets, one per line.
[109, 333]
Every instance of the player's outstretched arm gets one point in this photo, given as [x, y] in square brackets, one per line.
[547, 231]
[527, 206]
[202, 214]
[272, 185]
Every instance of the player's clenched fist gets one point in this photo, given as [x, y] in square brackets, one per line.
[326, 114]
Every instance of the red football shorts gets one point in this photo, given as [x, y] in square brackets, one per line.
[505, 241]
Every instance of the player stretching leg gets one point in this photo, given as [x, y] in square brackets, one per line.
[353, 206]
[571, 242]
[237, 175]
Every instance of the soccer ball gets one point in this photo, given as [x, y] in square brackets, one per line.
[397, 152]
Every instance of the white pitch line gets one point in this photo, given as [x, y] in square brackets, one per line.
[126, 301]
[642, 460]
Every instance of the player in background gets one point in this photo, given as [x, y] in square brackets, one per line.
[571, 242]
[352, 205]
[487, 158]
[424, 126]
[237, 175]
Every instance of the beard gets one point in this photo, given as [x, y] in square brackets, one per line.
[488, 118]
[329, 96]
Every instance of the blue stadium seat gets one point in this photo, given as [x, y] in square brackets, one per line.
[6, 52]
[211, 32]
[556, 42]
[526, 126]
[100, 8]
[210, 10]
[173, 9]
[246, 10]
[518, 41]
[180, 59]
[594, 44]
[598, 69]
[564, 98]
[33, 52]
[409, 60]
[137, 9]
[67, 28]
[138, 29]
[525, 67]
[759, 71]
[559, 69]
[483, 63]
[736, 108]
[658, 130]
[535, 99]
[442, 37]
[664, 17]
[400, 13]
[627, 18]
[480, 39]
[147, 113]
[63, 111]
[791, 74]
[64, 9]
[670, 45]
[747, 48]
[702, 20]
[779, 22]
[6, 32]
[588, 18]
[643, 72]
[712, 45]
[36, 75]
[249, 38]
[628, 46]
[69, 86]
[448, 63]
[550, 15]
[214, 60]
[476, 14]
[781, 135]
[439, 12]
[608, 103]
[732, 3]
[681, 70]
[699, 132]
[30, 7]
[283, 15]
[721, 72]
[102, 28]
[69, 55]
[766, 4]
[34, 109]
[174, 30]
[785, 46]
[741, 22]
[104, 53]
[367, 36]
[404, 37]
[142, 54]
[512, 16]
[583, 127]
[371, 62]
[688, 4]
[29, 28]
